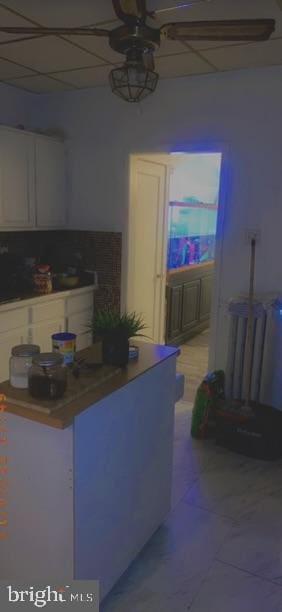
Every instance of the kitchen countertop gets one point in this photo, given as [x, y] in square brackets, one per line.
[35, 297]
[150, 355]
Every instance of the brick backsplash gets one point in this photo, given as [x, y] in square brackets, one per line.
[100, 251]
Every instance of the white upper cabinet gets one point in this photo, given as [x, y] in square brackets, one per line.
[32, 181]
[17, 179]
[50, 173]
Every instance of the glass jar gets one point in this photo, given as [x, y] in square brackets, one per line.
[47, 377]
[20, 362]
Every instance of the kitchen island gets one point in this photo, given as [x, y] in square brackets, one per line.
[89, 484]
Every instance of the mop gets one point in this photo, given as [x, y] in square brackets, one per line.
[247, 409]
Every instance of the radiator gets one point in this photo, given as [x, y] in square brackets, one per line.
[266, 381]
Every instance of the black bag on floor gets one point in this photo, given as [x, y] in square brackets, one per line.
[258, 436]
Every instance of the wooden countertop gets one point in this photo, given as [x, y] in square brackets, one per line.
[150, 355]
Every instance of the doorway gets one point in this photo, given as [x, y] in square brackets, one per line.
[174, 250]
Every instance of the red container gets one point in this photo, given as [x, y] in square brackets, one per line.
[42, 278]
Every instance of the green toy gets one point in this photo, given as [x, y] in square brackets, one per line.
[207, 400]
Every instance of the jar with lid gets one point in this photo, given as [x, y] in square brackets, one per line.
[42, 278]
[47, 377]
[20, 362]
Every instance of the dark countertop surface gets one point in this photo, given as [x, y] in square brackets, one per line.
[15, 298]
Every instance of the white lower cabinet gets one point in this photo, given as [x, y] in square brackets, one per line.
[41, 333]
[79, 324]
[79, 316]
[35, 323]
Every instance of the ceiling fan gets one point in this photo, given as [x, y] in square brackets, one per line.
[137, 41]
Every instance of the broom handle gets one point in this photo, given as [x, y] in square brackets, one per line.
[250, 325]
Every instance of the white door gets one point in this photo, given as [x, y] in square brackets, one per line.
[50, 168]
[147, 245]
[16, 179]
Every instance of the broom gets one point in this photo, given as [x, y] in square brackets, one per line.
[246, 408]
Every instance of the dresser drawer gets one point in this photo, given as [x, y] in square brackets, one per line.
[47, 310]
[11, 319]
[80, 303]
[79, 323]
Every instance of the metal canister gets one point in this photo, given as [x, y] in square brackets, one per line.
[65, 343]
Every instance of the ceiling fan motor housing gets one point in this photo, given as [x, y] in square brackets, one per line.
[139, 36]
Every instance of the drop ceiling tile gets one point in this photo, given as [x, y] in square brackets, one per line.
[8, 70]
[169, 47]
[246, 56]
[98, 46]
[39, 84]
[181, 65]
[165, 13]
[67, 13]
[214, 9]
[10, 20]
[47, 54]
[86, 77]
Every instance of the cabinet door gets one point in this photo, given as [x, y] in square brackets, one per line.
[7, 341]
[80, 314]
[17, 197]
[50, 171]
[41, 334]
[206, 296]
[174, 311]
[79, 324]
[190, 309]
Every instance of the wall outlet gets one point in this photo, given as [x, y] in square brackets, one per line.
[253, 234]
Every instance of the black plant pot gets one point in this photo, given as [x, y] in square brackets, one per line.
[115, 349]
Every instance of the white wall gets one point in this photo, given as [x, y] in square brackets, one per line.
[242, 110]
[14, 106]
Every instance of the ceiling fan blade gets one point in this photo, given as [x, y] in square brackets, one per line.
[240, 29]
[149, 61]
[126, 9]
[63, 31]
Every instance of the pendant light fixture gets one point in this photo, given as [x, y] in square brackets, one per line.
[133, 81]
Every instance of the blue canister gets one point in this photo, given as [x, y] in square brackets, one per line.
[65, 343]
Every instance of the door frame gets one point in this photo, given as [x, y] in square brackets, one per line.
[192, 146]
[134, 158]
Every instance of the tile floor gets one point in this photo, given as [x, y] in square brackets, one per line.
[220, 549]
[193, 363]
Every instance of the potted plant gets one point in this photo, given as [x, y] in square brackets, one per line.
[115, 329]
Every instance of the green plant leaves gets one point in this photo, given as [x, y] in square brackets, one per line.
[106, 322]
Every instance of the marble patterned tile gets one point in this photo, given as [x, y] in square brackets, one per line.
[228, 589]
[169, 571]
[192, 457]
[193, 363]
[234, 485]
[255, 543]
